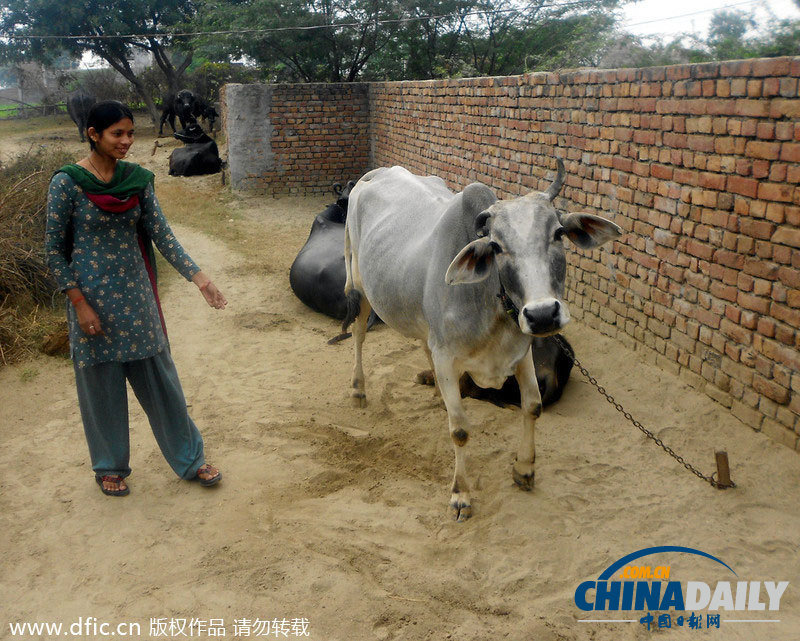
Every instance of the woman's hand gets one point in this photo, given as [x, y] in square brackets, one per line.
[213, 296]
[88, 319]
[209, 290]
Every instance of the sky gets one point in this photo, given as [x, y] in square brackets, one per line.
[678, 17]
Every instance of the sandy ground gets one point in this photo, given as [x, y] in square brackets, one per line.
[339, 515]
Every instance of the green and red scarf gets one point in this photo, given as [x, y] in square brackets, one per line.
[123, 192]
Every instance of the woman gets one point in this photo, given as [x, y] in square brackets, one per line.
[101, 214]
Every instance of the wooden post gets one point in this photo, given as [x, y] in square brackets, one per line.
[723, 471]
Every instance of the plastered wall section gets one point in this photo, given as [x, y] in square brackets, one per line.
[699, 164]
[295, 139]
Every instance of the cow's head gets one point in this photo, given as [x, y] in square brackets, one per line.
[523, 238]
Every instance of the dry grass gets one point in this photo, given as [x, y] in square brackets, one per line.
[26, 289]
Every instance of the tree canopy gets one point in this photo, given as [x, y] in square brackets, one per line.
[343, 40]
[347, 40]
[95, 21]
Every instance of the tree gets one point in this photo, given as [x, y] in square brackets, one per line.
[97, 22]
[399, 39]
[306, 40]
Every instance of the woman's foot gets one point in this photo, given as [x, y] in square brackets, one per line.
[112, 485]
[208, 475]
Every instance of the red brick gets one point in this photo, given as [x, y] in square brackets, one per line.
[790, 152]
[755, 303]
[787, 236]
[762, 149]
[787, 315]
[771, 67]
[744, 186]
[776, 192]
[752, 108]
[761, 229]
[771, 390]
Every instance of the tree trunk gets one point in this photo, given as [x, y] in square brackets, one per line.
[123, 67]
[173, 76]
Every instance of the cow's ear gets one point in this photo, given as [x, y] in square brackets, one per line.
[472, 264]
[588, 231]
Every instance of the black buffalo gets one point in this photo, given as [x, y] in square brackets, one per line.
[206, 111]
[182, 105]
[552, 364]
[317, 274]
[198, 156]
[78, 105]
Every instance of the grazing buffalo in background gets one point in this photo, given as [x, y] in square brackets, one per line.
[78, 105]
[198, 156]
[181, 105]
[552, 366]
[475, 278]
[206, 111]
[317, 275]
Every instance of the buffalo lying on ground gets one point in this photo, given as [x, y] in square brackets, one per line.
[198, 156]
[78, 105]
[317, 274]
[552, 366]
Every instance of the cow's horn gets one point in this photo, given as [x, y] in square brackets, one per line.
[481, 224]
[558, 183]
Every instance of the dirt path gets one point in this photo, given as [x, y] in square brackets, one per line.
[338, 516]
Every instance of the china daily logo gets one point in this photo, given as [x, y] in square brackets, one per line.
[631, 586]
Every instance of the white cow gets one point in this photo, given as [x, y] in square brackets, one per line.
[473, 277]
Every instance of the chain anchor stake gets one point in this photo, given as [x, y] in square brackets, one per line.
[723, 480]
[723, 474]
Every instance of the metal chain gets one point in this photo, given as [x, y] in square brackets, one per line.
[710, 479]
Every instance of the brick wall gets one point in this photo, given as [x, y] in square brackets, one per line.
[295, 139]
[699, 164]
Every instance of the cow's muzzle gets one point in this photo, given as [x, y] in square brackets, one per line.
[544, 317]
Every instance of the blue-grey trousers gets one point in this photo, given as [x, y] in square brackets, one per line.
[103, 399]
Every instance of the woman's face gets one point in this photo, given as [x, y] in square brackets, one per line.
[115, 140]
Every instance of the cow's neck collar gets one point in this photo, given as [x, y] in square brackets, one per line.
[508, 305]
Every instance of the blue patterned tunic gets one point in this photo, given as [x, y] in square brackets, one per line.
[108, 267]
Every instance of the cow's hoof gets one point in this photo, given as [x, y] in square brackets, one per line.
[359, 399]
[425, 377]
[523, 481]
[460, 508]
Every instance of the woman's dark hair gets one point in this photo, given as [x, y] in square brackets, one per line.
[104, 114]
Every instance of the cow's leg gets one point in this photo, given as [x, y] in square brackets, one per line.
[359, 393]
[423, 375]
[353, 290]
[531, 404]
[447, 378]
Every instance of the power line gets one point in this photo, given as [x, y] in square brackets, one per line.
[407, 19]
[694, 13]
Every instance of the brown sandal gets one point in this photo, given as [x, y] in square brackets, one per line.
[112, 478]
[210, 481]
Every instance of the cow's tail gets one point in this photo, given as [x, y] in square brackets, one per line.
[351, 294]
[353, 300]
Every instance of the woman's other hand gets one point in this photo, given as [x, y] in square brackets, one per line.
[88, 319]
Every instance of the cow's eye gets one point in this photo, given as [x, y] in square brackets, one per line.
[495, 247]
[559, 233]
